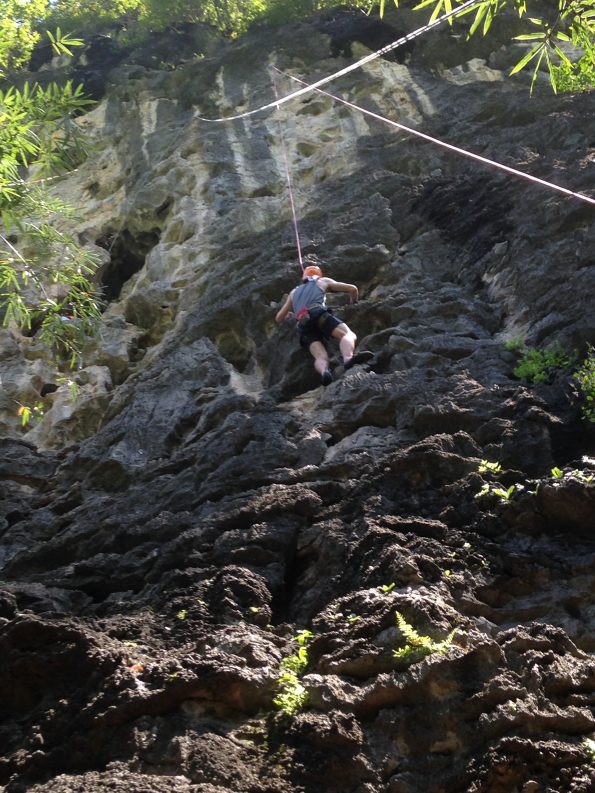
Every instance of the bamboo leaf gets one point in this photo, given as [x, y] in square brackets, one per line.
[563, 57]
[551, 71]
[525, 59]
[538, 64]
[480, 14]
[528, 37]
[437, 10]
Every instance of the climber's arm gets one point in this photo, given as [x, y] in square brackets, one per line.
[285, 309]
[339, 286]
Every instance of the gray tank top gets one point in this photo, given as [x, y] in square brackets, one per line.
[308, 295]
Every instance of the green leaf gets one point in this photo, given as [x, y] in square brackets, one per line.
[562, 55]
[303, 637]
[529, 37]
[551, 72]
[525, 60]
[536, 71]
[480, 14]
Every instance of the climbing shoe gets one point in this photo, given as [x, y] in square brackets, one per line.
[359, 357]
[327, 377]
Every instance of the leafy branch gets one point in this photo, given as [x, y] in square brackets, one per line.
[573, 23]
[50, 288]
[20, 24]
[63, 43]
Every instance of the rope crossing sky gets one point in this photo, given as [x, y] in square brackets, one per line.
[443, 144]
[358, 64]
[309, 87]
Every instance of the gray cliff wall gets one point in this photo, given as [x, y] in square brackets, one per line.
[165, 536]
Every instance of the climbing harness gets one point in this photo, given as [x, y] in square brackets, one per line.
[316, 316]
[438, 142]
[310, 302]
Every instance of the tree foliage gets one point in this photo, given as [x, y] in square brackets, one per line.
[560, 35]
[18, 31]
[44, 274]
[84, 16]
[230, 16]
[137, 17]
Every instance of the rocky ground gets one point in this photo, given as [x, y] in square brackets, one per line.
[168, 536]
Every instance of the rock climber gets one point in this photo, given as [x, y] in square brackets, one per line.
[316, 324]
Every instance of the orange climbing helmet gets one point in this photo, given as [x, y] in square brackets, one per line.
[312, 269]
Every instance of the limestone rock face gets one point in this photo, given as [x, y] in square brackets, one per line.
[168, 532]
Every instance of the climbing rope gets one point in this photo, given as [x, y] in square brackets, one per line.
[358, 64]
[288, 178]
[438, 142]
[282, 100]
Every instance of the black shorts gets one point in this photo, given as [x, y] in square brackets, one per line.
[319, 327]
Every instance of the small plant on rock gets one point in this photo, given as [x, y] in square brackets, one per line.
[585, 377]
[417, 647]
[72, 385]
[539, 366]
[292, 695]
[582, 477]
[486, 467]
[505, 494]
[589, 746]
[515, 344]
[575, 77]
[29, 412]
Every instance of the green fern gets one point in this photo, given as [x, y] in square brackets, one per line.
[292, 695]
[417, 646]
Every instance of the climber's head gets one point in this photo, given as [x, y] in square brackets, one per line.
[312, 270]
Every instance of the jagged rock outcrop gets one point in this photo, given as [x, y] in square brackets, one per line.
[167, 534]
